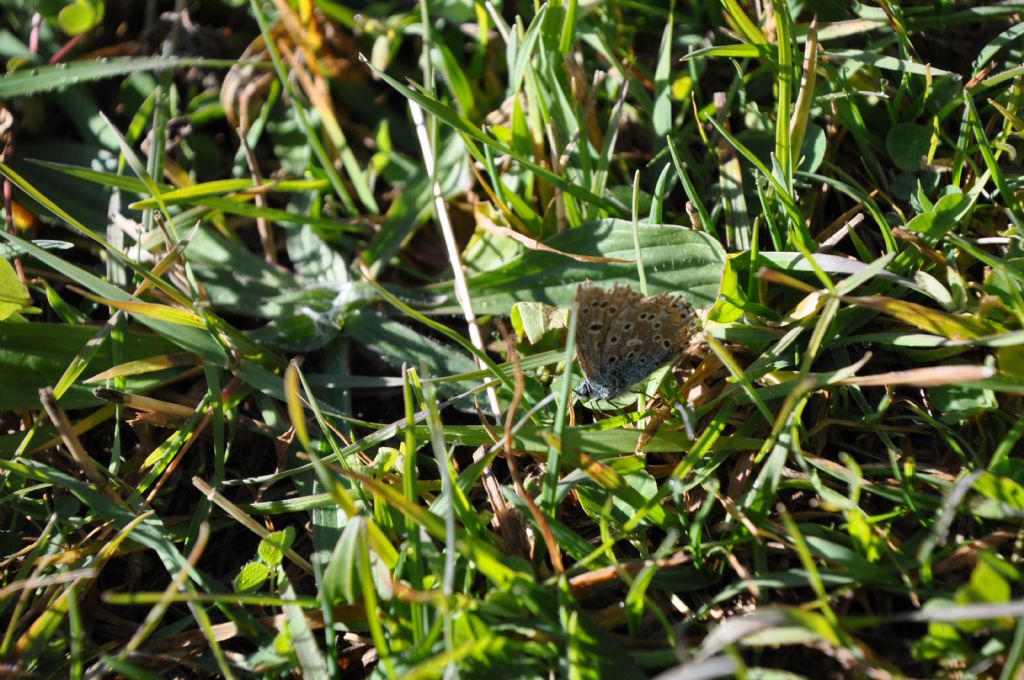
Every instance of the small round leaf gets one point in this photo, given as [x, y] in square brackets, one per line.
[908, 145]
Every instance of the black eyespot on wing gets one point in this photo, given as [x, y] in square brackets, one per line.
[656, 325]
[613, 310]
[612, 359]
[630, 356]
[666, 344]
[594, 327]
[627, 327]
[614, 340]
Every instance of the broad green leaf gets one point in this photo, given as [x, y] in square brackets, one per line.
[593, 497]
[834, 547]
[1003, 491]
[35, 355]
[341, 578]
[397, 343]
[679, 260]
[80, 16]
[253, 575]
[987, 585]
[1011, 360]
[14, 297]
[958, 403]
[943, 641]
[273, 548]
[869, 543]
[815, 144]
[908, 144]
[222, 265]
[533, 319]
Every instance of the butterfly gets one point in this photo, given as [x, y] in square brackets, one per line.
[622, 337]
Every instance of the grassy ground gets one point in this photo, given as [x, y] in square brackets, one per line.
[254, 426]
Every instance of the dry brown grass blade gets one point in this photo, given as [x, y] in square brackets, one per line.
[932, 376]
[554, 552]
[85, 463]
[580, 584]
[239, 516]
[488, 225]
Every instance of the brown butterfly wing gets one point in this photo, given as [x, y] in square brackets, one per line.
[666, 324]
[591, 320]
[622, 337]
[621, 333]
[645, 335]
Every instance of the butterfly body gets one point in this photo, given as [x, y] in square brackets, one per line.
[622, 337]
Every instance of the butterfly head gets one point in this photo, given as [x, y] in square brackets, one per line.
[591, 390]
